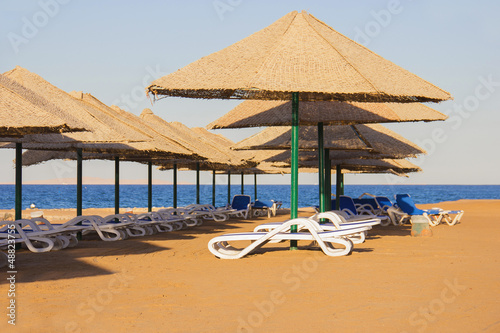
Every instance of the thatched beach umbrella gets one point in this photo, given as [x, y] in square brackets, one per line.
[215, 149]
[109, 130]
[297, 58]
[233, 159]
[370, 141]
[23, 112]
[255, 113]
[364, 139]
[205, 144]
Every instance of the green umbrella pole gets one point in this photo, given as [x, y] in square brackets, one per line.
[255, 185]
[242, 183]
[197, 182]
[213, 188]
[174, 194]
[79, 177]
[328, 180]
[339, 187]
[19, 180]
[321, 168]
[294, 198]
[150, 186]
[229, 186]
[117, 185]
[342, 184]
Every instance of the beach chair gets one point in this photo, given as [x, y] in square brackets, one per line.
[386, 207]
[209, 212]
[347, 206]
[162, 221]
[336, 222]
[241, 206]
[34, 240]
[366, 204]
[109, 228]
[407, 208]
[180, 217]
[220, 247]
[263, 207]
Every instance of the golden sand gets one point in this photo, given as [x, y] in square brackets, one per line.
[171, 283]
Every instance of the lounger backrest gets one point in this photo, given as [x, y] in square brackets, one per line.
[366, 201]
[405, 202]
[240, 201]
[383, 201]
[347, 203]
[263, 203]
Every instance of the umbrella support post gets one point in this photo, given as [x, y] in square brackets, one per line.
[321, 169]
[19, 181]
[242, 183]
[339, 187]
[174, 190]
[198, 182]
[150, 186]
[294, 202]
[213, 188]
[79, 185]
[117, 185]
[229, 187]
[341, 183]
[255, 186]
[328, 180]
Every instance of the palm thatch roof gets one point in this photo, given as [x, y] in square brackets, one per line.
[400, 165]
[256, 113]
[23, 112]
[297, 53]
[215, 149]
[111, 130]
[102, 127]
[373, 138]
[201, 142]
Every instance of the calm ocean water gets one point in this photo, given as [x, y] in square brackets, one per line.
[102, 196]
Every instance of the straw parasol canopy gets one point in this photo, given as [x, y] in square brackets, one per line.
[214, 149]
[297, 58]
[371, 138]
[110, 130]
[24, 112]
[297, 53]
[256, 113]
[362, 165]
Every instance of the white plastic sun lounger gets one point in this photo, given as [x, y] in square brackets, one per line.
[336, 222]
[35, 241]
[109, 228]
[221, 248]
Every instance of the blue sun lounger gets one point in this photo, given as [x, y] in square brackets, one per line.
[407, 208]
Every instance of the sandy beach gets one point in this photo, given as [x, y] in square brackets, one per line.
[170, 282]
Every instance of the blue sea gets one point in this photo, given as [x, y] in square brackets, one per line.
[102, 196]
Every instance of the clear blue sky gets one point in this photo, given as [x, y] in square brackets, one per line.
[109, 48]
